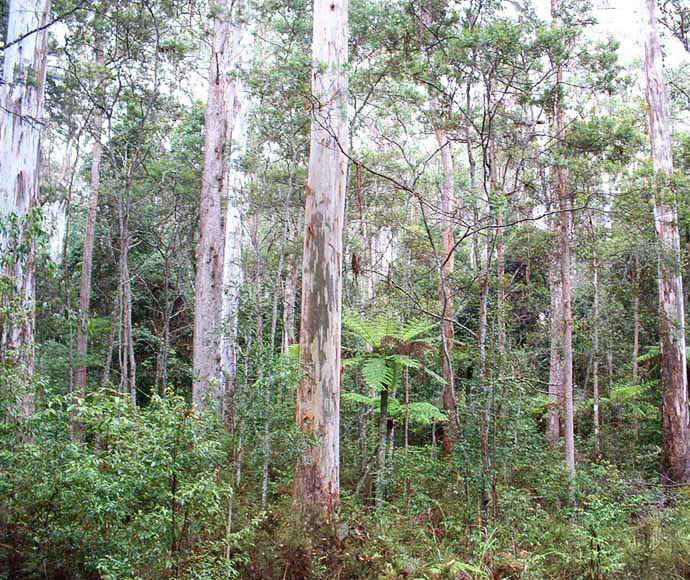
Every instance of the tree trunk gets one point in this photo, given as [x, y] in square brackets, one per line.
[566, 225]
[21, 122]
[450, 405]
[317, 476]
[636, 321]
[208, 293]
[595, 350]
[89, 238]
[383, 436]
[675, 457]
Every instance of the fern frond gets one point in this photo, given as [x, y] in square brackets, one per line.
[438, 378]
[414, 329]
[377, 374]
[403, 361]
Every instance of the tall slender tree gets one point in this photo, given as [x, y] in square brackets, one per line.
[565, 227]
[317, 477]
[675, 457]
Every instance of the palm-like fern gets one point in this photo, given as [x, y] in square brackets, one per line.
[388, 349]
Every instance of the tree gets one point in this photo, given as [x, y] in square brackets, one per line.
[317, 477]
[220, 118]
[21, 123]
[675, 459]
[565, 227]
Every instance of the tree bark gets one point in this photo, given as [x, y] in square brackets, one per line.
[675, 457]
[450, 405]
[89, 237]
[554, 411]
[317, 476]
[21, 123]
[566, 225]
[208, 292]
[636, 321]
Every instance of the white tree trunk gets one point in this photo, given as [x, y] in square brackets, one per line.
[21, 122]
[675, 461]
[317, 476]
[233, 274]
[209, 289]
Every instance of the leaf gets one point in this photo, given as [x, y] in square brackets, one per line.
[403, 361]
[377, 374]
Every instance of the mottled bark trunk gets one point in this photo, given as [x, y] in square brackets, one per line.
[21, 122]
[675, 457]
[215, 187]
[89, 238]
[317, 475]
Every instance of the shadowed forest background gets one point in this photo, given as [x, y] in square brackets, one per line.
[367, 290]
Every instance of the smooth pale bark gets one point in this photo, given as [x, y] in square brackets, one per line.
[89, 238]
[675, 457]
[553, 415]
[21, 122]
[238, 124]
[317, 475]
[208, 292]
[566, 225]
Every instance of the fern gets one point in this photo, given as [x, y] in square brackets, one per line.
[377, 374]
[420, 413]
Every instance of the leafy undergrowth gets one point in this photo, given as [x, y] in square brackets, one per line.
[530, 529]
[149, 493]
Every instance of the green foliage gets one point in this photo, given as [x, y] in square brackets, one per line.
[144, 496]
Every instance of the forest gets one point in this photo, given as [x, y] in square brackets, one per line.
[344, 289]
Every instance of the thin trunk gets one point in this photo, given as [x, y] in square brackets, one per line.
[595, 354]
[636, 320]
[501, 292]
[450, 405]
[566, 221]
[383, 436]
[675, 460]
[407, 407]
[317, 475]
[89, 237]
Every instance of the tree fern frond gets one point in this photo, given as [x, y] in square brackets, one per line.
[403, 361]
[377, 374]
[414, 329]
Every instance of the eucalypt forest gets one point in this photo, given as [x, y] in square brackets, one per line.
[344, 289]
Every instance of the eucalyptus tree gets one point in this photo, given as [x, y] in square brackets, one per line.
[317, 476]
[21, 122]
[215, 293]
[675, 459]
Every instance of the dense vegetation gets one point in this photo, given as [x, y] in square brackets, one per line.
[128, 478]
